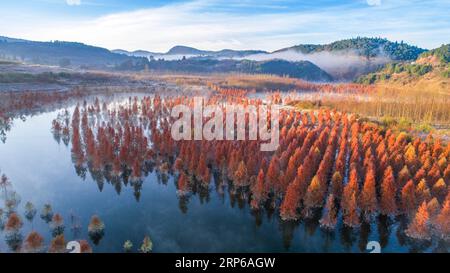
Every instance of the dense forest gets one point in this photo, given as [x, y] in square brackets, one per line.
[437, 59]
[442, 53]
[368, 47]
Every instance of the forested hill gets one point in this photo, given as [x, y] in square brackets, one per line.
[431, 67]
[441, 54]
[62, 54]
[367, 47]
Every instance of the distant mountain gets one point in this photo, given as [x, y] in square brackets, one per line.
[179, 51]
[121, 51]
[63, 54]
[137, 53]
[343, 60]
[185, 50]
[11, 40]
[363, 46]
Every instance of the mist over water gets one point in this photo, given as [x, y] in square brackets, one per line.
[341, 65]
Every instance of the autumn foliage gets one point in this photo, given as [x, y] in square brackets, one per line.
[328, 162]
[420, 226]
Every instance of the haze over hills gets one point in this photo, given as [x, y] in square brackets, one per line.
[350, 58]
[136, 53]
[179, 51]
[343, 60]
[78, 55]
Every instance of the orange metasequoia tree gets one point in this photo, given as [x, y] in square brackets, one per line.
[85, 247]
[442, 222]
[388, 193]
[411, 158]
[447, 173]
[315, 194]
[439, 189]
[423, 192]
[368, 196]
[291, 201]
[433, 208]
[273, 173]
[403, 176]
[329, 218]
[33, 242]
[183, 186]
[58, 244]
[419, 227]
[349, 189]
[408, 198]
[241, 175]
[351, 217]
[336, 184]
[259, 190]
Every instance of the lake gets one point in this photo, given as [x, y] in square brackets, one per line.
[41, 171]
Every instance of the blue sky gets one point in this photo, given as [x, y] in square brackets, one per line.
[157, 25]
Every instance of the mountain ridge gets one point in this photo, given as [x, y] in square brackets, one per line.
[341, 60]
[365, 46]
[187, 51]
[345, 59]
[61, 53]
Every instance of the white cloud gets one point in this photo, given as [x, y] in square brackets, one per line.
[196, 24]
[373, 2]
[191, 23]
[73, 2]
